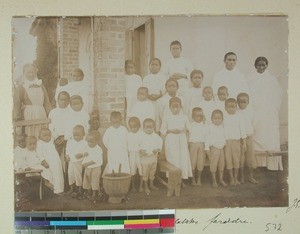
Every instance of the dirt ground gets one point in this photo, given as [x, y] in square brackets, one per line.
[272, 191]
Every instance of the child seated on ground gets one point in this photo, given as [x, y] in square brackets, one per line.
[92, 162]
[74, 155]
[133, 138]
[234, 127]
[77, 86]
[174, 129]
[132, 83]
[58, 117]
[194, 96]
[197, 144]
[115, 140]
[220, 99]
[149, 148]
[46, 151]
[207, 104]
[78, 116]
[143, 108]
[247, 157]
[216, 140]
[19, 157]
[179, 68]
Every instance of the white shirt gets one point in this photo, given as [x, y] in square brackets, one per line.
[248, 116]
[194, 97]
[233, 80]
[77, 118]
[155, 83]
[32, 158]
[133, 140]
[74, 148]
[234, 126]
[132, 82]
[143, 110]
[171, 122]
[150, 142]
[199, 133]
[94, 154]
[58, 117]
[19, 158]
[219, 105]
[216, 137]
[208, 107]
[180, 65]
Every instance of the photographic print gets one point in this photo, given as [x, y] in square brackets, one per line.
[150, 112]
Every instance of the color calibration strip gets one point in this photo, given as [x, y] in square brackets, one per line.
[147, 221]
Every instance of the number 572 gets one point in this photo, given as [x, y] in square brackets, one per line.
[273, 227]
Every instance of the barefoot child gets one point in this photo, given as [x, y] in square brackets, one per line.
[150, 146]
[115, 140]
[197, 144]
[217, 142]
[74, 155]
[133, 139]
[174, 128]
[92, 163]
[46, 151]
[247, 157]
[234, 127]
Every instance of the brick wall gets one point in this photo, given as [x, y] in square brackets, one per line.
[109, 57]
[69, 46]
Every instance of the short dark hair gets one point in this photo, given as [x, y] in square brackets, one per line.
[129, 61]
[76, 97]
[196, 71]
[148, 120]
[240, 95]
[174, 100]
[135, 120]
[176, 43]
[115, 115]
[215, 112]
[155, 59]
[94, 134]
[172, 80]
[258, 59]
[222, 88]
[195, 109]
[229, 53]
[64, 93]
[79, 127]
[143, 88]
[230, 100]
[79, 71]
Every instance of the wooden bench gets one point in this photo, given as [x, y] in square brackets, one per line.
[173, 175]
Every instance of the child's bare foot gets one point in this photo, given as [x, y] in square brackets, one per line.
[231, 183]
[199, 183]
[223, 183]
[183, 185]
[193, 182]
[141, 190]
[147, 191]
[214, 184]
[152, 187]
[237, 182]
[252, 180]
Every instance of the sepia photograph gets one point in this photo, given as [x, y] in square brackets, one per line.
[150, 112]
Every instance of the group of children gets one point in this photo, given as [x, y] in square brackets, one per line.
[174, 116]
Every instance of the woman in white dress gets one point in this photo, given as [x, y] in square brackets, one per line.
[266, 95]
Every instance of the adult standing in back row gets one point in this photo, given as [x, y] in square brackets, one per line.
[230, 77]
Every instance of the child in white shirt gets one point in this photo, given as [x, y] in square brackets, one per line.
[74, 155]
[217, 142]
[58, 116]
[155, 82]
[194, 96]
[92, 162]
[179, 68]
[46, 151]
[207, 104]
[132, 83]
[220, 99]
[78, 116]
[115, 140]
[247, 157]
[19, 157]
[143, 108]
[150, 146]
[234, 127]
[133, 138]
[197, 144]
